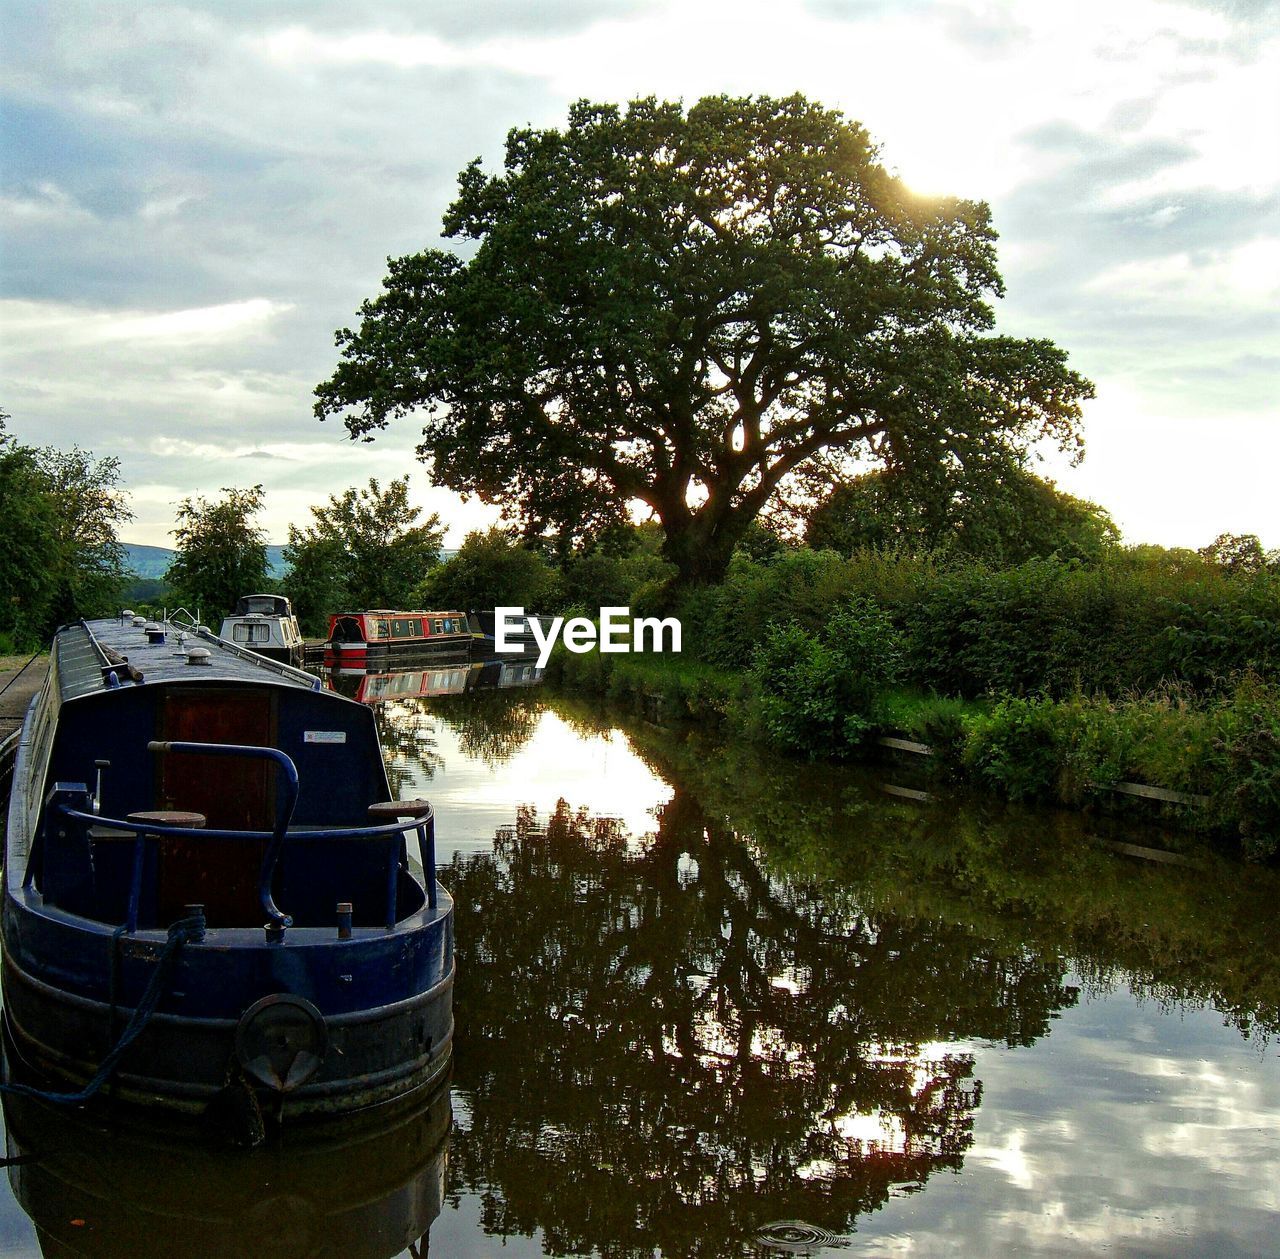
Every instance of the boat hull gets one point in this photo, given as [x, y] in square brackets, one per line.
[374, 1010]
[361, 654]
[182, 1064]
[342, 1004]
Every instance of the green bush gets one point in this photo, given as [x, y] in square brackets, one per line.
[800, 694]
[818, 694]
[1251, 746]
[943, 723]
[1014, 749]
[491, 569]
[1217, 629]
[597, 579]
[1134, 621]
[1071, 751]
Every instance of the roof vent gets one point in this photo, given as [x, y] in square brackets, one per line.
[154, 632]
[199, 655]
[127, 615]
[139, 621]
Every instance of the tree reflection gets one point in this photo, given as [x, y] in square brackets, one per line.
[492, 725]
[1045, 880]
[662, 1047]
[407, 731]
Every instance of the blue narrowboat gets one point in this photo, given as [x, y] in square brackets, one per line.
[209, 899]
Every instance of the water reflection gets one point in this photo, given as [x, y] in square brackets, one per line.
[494, 728]
[446, 676]
[94, 1190]
[714, 1003]
[661, 1048]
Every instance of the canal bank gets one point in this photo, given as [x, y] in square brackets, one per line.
[20, 678]
[1206, 765]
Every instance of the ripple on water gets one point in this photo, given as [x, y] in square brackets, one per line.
[795, 1237]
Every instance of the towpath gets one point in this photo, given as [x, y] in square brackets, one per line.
[17, 685]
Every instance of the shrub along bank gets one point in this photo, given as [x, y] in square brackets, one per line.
[1049, 681]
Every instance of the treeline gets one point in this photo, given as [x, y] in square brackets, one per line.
[61, 557]
[365, 547]
[1133, 620]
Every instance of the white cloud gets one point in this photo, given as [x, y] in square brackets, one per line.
[296, 45]
[47, 205]
[1248, 275]
[26, 324]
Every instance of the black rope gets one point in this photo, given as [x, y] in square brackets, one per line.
[179, 933]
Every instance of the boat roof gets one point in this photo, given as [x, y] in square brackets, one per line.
[87, 650]
[401, 612]
[257, 605]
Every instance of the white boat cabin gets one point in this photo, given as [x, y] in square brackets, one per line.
[265, 624]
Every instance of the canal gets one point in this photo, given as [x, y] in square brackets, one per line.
[710, 1003]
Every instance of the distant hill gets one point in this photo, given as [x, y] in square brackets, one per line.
[152, 561]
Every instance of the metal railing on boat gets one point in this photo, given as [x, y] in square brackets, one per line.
[419, 814]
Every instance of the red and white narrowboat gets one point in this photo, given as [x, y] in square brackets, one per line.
[357, 638]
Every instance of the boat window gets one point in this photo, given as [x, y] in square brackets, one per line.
[438, 626]
[250, 633]
[264, 605]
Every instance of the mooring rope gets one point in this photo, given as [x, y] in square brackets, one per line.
[179, 933]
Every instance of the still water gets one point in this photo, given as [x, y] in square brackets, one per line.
[713, 1004]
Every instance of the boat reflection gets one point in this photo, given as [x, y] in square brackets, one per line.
[94, 1190]
[444, 677]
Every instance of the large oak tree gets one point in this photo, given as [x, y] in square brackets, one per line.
[684, 309]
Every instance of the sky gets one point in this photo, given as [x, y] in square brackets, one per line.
[193, 197]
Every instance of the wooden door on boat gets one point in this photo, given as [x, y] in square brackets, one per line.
[233, 793]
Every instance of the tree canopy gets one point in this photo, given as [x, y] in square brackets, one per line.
[490, 569]
[364, 548]
[90, 509]
[26, 518]
[682, 310]
[221, 553]
[61, 559]
[1241, 554]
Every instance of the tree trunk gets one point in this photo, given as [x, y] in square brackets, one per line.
[700, 560]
